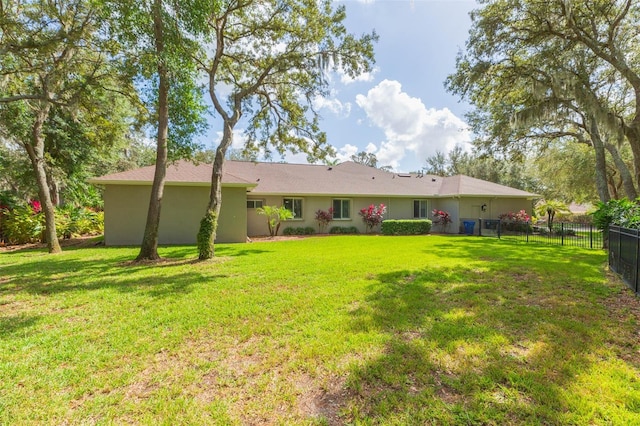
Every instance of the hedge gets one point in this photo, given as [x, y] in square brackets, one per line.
[309, 230]
[343, 230]
[406, 227]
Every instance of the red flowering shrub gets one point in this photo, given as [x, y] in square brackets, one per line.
[441, 217]
[515, 221]
[35, 206]
[372, 215]
[323, 218]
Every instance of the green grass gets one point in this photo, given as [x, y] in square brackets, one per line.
[346, 329]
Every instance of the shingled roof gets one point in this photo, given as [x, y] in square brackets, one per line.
[180, 173]
[345, 179]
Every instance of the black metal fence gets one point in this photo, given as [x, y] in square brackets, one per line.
[561, 233]
[624, 255]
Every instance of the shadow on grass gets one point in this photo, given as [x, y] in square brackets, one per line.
[476, 346]
[44, 274]
[16, 323]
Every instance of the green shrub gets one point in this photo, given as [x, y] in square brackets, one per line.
[75, 221]
[344, 230]
[22, 225]
[622, 212]
[309, 230]
[64, 223]
[557, 230]
[406, 227]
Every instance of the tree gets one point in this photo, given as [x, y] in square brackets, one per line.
[275, 215]
[153, 33]
[437, 164]
[368, 159]
[550, 208]
[493, 168]
[545, 71]
[271, 57]
[50, 53]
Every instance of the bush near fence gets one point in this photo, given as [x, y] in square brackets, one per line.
[406, 227]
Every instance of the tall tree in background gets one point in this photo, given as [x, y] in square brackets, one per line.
[159, 58]
[50, 54]
[368, 159]
[546, 71]
[268, 61]
[501, 170]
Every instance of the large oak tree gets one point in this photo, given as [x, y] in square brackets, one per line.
[50, 53]
[551, 71]
[266, 61]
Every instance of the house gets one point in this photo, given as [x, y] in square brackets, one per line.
[302, 188]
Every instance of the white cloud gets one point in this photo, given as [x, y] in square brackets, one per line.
[344, 154]
[238, 142]
[339, 108]
[371, 148]
[365, 76]
[409, 126]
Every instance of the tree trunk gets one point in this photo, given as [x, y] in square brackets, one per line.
[215, 195]
[601, 161]
[54, 190]
[625, 174]
[36, 154]
[149, 246]
[632, 134]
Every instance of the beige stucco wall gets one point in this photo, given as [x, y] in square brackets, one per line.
[182, 209]
[397, 208]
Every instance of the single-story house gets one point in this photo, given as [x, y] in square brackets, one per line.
[303, 188]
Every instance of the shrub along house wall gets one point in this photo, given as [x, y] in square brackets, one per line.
[406, 227]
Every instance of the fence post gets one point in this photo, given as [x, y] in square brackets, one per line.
[499, 227]
[480, 227]
[526, 225]
[590, 235]
[561, 233]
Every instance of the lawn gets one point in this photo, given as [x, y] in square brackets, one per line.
[324, 330]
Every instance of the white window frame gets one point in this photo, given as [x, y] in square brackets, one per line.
[254, 201]
[293, 202]
[426, 208]
[342, 200]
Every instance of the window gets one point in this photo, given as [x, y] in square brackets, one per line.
[341, 209]
[254, 204]
[420, 209]
[294, 205]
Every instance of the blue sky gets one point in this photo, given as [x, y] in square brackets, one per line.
[400, 112]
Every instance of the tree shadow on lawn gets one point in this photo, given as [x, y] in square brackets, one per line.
[44, 275]
[13, 324]
[470, 347]
[47, 274]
